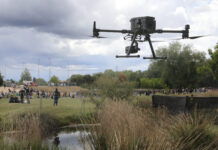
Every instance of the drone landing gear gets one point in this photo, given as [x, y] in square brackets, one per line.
[152, 49]
[128, 56]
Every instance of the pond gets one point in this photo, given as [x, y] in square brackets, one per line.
[64, 139]
[67, 140]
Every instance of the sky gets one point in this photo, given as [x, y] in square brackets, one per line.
[51, 37]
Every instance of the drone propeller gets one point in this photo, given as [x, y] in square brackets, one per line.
[191, 37]
[98, 37]
[195, 37]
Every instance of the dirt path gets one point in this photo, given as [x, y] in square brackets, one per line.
[4, 90]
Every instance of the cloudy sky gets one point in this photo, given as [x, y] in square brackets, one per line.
[50, 37]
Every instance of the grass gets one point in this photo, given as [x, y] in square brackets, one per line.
[214, 129]
[28, 125]
[132, 125]
[68, 110]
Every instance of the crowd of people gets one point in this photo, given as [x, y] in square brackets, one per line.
[25, 93]
[148, 92]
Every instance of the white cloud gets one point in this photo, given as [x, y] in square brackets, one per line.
[141, 66]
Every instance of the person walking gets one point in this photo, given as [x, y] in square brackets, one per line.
[56, 97]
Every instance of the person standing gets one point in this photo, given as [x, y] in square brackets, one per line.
[22, 92]
[27, 90]
[56, 97]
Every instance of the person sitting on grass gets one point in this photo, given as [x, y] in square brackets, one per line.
[56, 97]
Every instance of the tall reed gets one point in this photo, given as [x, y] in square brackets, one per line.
[125, 127]
[27, 129]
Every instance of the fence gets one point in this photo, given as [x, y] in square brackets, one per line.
[181, 104]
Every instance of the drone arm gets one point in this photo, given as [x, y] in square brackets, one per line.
[116, 31]
[185, 33]
[96, 31]
[169, 31]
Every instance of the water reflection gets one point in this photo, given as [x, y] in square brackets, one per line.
[68, 140]
[56, 141]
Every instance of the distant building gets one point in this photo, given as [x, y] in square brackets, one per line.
[63, 83]
[9, 83]
[29, 83]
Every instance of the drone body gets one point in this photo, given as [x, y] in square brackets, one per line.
[143, 25]
[141, 28]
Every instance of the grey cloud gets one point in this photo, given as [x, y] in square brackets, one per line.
[73, 19]
[63, 17]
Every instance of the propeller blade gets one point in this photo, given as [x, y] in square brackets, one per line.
[195, 37]
[191, 37]
[99, 37]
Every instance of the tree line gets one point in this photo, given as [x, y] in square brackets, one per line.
[185, 67]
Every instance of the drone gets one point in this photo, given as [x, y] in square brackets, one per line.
[141, 29]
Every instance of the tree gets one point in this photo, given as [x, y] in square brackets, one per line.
[78, 79]
[155, 83]
[1, 79]
[114, 88]
[122, 77]
[25, 75]
[180, 68]
[213, 62]
[54, 79]
[110, 73]
[41, 82]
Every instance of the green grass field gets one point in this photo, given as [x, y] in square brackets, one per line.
[68, 110]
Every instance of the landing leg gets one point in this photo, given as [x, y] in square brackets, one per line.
[152, 50]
